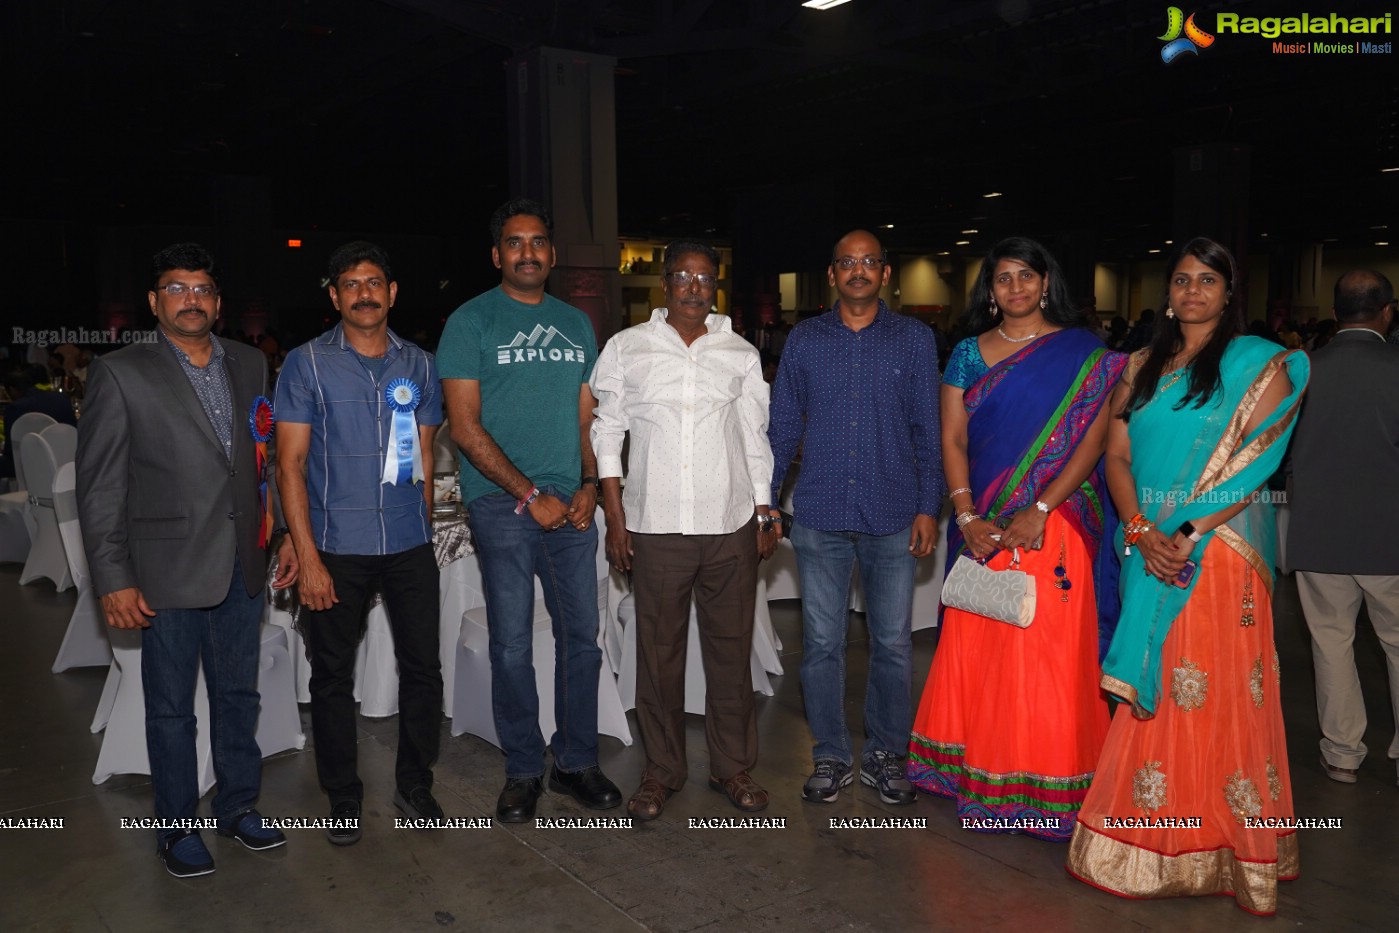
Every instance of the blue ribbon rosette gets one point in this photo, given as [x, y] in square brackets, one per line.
[403, 462]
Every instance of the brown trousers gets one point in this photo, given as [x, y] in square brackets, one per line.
[720, 573]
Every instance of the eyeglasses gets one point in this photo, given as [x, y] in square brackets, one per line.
[849, 262]
[176, 289]
[683, 279]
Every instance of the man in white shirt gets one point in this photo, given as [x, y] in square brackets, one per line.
[693, 522]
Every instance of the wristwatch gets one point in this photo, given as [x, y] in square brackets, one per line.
[766, 522]
[1187, 529]
[592, 481]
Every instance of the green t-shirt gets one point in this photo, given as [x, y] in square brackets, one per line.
[531, 361]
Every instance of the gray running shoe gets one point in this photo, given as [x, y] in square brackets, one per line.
[826, 781]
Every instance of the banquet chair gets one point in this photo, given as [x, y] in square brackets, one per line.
[124, 745]
[278, 720]
[46, 558]
[63, 441]
[85, 643]
[17, 528]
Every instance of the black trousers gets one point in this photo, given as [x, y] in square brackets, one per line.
[408, 581]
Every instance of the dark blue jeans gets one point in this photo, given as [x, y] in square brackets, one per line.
[408, 581]
[226, 639]
[513, 549]
[826, 561]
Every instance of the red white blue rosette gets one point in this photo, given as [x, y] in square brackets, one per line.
[403, 461]
[261, 423]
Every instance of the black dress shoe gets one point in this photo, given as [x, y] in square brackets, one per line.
[345, 830]
[590, 787]
[517, 800]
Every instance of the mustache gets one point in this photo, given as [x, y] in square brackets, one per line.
[366, 305]
[527, 264]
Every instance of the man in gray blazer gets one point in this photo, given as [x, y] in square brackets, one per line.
[1345, 458]
[175, 521]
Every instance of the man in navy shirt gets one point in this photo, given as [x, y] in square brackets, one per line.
[357, 409]
[857, 392]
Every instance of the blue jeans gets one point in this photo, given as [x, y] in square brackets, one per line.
[513, 549]
[226, 639]
[825, 561]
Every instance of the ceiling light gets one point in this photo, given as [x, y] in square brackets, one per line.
[1172, 242]
[823, 4]
[971, 231]
[992, 194]
[888, 226]
[963, 243]
[1392, 168]
[1153, 251]
[1380, 227]
[1381, 242]
[944, 253]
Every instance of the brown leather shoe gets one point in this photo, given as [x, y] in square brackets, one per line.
[743, 792]
[649, 799]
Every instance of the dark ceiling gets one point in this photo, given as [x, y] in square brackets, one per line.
[389, 115]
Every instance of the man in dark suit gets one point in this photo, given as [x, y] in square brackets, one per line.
[1345, 458]
[173, 524]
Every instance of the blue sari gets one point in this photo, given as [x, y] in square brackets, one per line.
[1026, 418]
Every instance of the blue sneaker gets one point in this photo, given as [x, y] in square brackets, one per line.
[246, 826]
[184, 855]
[826, 781]
[886, 773]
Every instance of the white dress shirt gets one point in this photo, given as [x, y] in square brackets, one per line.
[698, 416]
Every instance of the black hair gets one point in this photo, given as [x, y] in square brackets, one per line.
[883, 250]
[679, 248]
[350, 255]
[190, 257]
[1167, 339]
[514, 208]
[1060, 310]
[1361, 295]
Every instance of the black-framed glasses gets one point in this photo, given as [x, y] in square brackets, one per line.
[683, 279]
[849, 262]
[176, 289]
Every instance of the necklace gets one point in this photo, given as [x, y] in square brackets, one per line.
[1005, 336]
[1175, 377]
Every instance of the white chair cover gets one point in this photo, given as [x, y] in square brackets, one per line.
[63, 441]
[278, 720]
[17, 526]
[124, 745]
[46, 558]
[85, 644]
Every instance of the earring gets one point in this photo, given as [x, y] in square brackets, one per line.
[1170, 312]
[995, 311]
[1044, 300]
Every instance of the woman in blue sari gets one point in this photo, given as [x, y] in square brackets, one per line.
[1192, 794]
[1011, 719]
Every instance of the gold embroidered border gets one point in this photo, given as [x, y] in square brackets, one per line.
[1226, 462]
[1125, 692]
[1133, 871]
[1247, 551]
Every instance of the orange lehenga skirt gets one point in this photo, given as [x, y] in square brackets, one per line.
[1213, 760]
[1012, 720]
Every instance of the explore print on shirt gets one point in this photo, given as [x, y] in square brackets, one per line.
[534, 347]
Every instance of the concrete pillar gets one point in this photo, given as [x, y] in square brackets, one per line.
[563, 153]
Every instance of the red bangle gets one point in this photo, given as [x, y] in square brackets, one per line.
[522, 504]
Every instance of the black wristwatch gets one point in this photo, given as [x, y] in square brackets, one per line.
[592, 481]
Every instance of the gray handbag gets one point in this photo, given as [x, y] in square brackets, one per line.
[1004, 595]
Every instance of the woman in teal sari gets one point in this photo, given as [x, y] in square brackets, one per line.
[1012, 720]
[1192, 794]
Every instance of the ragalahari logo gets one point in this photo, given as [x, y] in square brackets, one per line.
[1177, 44]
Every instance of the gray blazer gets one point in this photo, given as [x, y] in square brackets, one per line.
[161, 506]
[1345, 460]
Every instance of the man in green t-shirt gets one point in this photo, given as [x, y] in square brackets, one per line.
[515, 364]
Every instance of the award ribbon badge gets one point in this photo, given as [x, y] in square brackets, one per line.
[403, 462]
[260, 421]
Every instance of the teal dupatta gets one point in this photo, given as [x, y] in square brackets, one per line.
[1187, 464]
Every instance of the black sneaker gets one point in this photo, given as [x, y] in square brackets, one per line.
[590, 787]
[826, 781]
[345, 830]
[247, 828]
[184, 854]
[418, 804]
[886, 773]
